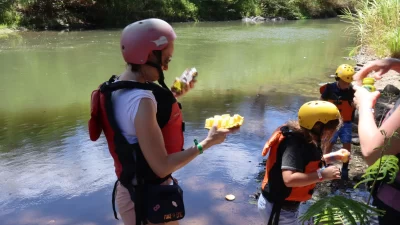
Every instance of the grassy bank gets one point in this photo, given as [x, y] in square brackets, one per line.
[376, 25]
[55, 14]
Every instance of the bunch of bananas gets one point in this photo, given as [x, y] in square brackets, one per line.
[225, 121]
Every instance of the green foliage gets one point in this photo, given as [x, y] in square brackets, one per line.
[8, 14]
[376, 24]
[121, 12]
[386, 172]
[226, 9]
[54, 14]
[282, 8]
[340, 210]
[323, 8]
[298, 9]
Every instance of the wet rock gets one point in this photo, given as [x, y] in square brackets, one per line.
[260, 19]
[277, 19]
[255, 195]
[256, 19]
[382, 107]
[356, 116]
[391, 90]
[355, 141]
[357, 178]
[22, 29]
[354, 128]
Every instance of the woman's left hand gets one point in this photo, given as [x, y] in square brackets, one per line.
[187, 87]
[364, 98]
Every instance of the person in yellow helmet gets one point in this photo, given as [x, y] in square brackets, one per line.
[341, 94]
[296, 163]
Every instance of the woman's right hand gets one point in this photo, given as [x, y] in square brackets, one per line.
[217, 136]
[331, 173]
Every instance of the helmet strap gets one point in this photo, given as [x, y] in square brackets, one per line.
[157, 65]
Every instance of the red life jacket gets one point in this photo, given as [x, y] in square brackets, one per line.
[169, 117]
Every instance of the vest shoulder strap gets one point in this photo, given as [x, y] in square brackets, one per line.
[110, 87]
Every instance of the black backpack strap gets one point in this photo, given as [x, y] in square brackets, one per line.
[275, 214]
[113, 199]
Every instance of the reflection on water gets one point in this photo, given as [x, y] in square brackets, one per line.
[42, 171]
[53, 174]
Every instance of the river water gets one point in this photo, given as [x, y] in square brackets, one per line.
[50, 171]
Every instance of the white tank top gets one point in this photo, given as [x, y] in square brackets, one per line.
[125, 105]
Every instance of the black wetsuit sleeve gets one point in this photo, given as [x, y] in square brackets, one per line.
[292, 158]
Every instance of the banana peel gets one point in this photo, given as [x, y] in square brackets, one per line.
[224, 121]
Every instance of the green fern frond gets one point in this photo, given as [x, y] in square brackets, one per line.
[340, 210]
[389, 169]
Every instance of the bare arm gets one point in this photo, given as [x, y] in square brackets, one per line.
[371, 137]
[297, 179]
[152, 144]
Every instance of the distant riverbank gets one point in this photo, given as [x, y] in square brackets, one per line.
[88, 14]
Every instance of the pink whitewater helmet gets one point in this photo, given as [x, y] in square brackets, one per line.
[140, 38]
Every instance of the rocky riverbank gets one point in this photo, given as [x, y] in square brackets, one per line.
[5, 31]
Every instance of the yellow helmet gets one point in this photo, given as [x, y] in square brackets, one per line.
[317, 111]
[345, 72]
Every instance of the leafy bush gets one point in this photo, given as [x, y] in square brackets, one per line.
[8, 13]
[55, 14]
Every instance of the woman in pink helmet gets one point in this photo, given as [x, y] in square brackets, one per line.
[142, 122]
